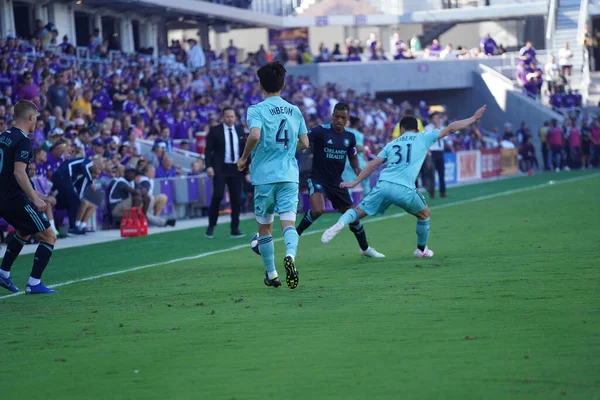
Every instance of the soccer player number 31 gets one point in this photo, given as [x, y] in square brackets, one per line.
[399, 153]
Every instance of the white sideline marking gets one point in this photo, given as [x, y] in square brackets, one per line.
[212, 253]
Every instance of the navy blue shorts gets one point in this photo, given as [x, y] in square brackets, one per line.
[340, 198]
[24, 217]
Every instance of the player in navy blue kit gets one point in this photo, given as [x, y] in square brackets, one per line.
[332, 144]
[20, 205]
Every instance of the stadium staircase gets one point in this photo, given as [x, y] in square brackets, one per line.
[433, 31]
[566, 30]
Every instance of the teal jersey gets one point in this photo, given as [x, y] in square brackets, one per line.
[405, 156]
[274, 157]
[360, 141]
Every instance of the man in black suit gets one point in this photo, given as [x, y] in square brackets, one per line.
[224, 146]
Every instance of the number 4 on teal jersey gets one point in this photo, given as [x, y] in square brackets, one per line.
[282, 134]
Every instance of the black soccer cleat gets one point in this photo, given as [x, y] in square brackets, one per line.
[291, 275]
[272, 282]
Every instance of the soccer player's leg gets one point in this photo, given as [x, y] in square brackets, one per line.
[414, 203]
[374, 203]
[264, 203]
[342, 201]
[317, 206]
[27, 221]
[286, 204]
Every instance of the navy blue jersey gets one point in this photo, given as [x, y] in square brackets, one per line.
[76, 169]
[15, 147]
[78, 172]
[330, 150]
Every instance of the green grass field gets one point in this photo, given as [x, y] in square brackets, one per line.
[509, 307]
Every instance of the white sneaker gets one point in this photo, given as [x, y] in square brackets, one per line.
[557, 170]
[423, 254]
[567, 169]
[371, 253]
[332, 232]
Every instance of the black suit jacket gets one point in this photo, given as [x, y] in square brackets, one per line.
[214, 153]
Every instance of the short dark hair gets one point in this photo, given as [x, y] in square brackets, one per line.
[341, 107]
[272, 76]
[23, 108]
[354, 121]
[409, 123]
[409, 112]
[227, 108]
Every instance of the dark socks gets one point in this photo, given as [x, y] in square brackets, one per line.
[305, 223]
[359, 231]
[14, 247]
[41, 259]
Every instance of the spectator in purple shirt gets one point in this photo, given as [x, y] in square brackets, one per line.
[569, 99]
[130, 106]
[232, 53]
[28, 90]
[56, 156]
[527, 53]
[521, 74]
[435, 48]
[556, 100]
[488, 45]
[166, 169]
[181, 128]
[102, 105]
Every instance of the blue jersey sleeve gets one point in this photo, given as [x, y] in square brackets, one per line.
[254, 119]
[314, 134]
[385, 152]
[431, 137]
[352, 147]
[23, 151]
[302, 128]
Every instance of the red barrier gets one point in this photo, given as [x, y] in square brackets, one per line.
[491, 163]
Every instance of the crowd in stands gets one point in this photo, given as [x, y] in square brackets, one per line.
[400, 50]
[552, 82]
[101, 110]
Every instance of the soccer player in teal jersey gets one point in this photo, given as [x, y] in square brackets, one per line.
[277, 132]
[404, 157]
[349, 175]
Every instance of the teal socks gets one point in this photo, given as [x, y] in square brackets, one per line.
[422, 232]
[267, 252]
[290, 236]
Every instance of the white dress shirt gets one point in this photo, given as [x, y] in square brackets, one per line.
[438, 145]
[231, 158]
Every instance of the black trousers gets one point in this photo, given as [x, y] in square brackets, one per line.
[438, 164]
[545, 156]
[66, 198]
[233, 179]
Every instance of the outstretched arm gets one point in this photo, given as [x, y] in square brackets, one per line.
[251, 143]
[365, 173]
[463, 123]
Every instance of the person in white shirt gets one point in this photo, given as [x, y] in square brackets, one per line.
[551, 73]
[565, 60]
[437, 158]
[448, 52]
[196, 58]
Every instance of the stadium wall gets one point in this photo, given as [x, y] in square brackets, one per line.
[383, 76]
